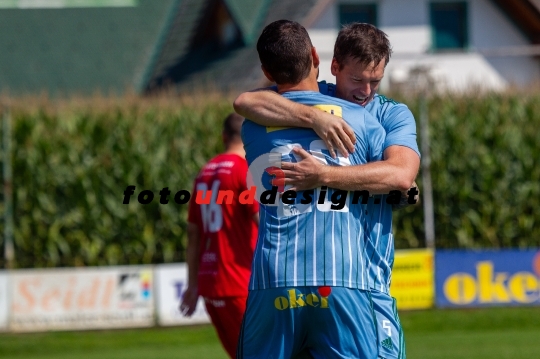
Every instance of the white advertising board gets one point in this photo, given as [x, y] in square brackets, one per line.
[3, 301]
[81, 298]
[171, 282]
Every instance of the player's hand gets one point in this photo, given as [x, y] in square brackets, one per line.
[305, 174]
[189, 301]
[335, 133]
[404, 201]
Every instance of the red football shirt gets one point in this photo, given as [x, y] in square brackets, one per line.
[228, 233]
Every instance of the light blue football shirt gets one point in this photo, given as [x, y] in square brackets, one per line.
[311, 244]
[400, 127]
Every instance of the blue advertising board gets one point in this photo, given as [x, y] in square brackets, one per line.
[487, 278]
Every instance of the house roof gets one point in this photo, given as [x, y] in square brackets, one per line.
[238, 68]
[155, 43]
[249, 15]
[525, 14]
[78, 50]
[141, 46]
[174, 40]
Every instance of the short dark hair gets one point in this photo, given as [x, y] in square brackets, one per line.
[284, 49]
[363, 42]
[232, 126]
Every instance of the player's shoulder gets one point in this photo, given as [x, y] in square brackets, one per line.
[223, 163]
[309, 97]
[385, 103]
[318, 98]
[385, 100]
[326, 103]
[327, 99]
[327, 88]
[226, 160]
[250, 130]
[248, 124]
[389, 112]
[212, 164]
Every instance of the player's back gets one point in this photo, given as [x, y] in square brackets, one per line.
[310, 242]
[228, 233]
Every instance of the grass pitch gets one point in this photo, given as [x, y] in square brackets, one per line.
[495, 333]
[501, 333]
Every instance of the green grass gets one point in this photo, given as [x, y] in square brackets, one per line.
[496, 333]
[162, 343]
[500, 333]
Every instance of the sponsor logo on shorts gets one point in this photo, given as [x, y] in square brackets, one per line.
[296, 299]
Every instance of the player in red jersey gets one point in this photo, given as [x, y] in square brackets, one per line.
[221, 239]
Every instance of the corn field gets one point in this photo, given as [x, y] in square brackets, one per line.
[485, 157]
[72, 161]
[72, 164]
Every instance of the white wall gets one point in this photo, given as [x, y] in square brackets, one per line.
[407, 24]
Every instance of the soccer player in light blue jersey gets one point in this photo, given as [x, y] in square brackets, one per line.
[309, 288]
[361, 54]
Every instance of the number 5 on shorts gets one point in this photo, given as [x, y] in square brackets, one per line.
[387, 327]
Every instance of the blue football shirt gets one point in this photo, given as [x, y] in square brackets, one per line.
[311, 242]
[400, 128]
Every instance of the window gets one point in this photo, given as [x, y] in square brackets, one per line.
[449, 25]
[357, 13]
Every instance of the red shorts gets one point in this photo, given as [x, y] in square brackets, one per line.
[226, 314]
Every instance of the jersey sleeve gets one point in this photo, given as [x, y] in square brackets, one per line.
[375, 138]
[400, 128]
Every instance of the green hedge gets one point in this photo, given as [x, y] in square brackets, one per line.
[71, 167]
[73, 162]
[485, 173]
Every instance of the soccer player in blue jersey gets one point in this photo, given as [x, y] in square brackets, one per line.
[360, 56]
[309, 288]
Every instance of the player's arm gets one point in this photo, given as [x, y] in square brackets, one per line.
[267, 108]
[191, 295]
[396, 172]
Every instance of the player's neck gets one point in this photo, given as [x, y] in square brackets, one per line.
[307, 84]
[236, 149]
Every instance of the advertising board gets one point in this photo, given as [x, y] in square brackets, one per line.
[413, 279]
[171, 280]
[487, 278]
[81, 298]
[3, 301]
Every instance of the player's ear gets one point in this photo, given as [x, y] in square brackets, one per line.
[334, 67]
[268, 76]
[315, 56]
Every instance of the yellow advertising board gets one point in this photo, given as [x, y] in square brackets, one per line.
[413, 283]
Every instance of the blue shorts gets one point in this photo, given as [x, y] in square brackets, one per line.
[389, 332]
[326, 322]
